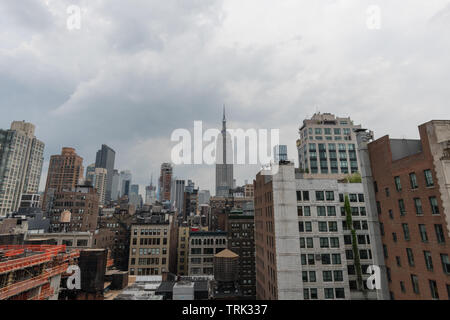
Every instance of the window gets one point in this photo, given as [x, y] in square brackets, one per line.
[360, 197]
[340, 293]
[434, 205]
[300, 211]
[327, 276]
[439, 233]
[338, 275]
[330, 195]
[306, 294]
[309, 243]
[415, 283]
[428, 260]
[320, 196]
[336, 258]
[402, 286]
[308, 226]
[307, 211]
[305, 195]
[410, 255]
[329, 293]
[423, 232]
[313, 292]
[418, 205]
[434, 289]
[332, 226]
[324, 243]
[445, 263]
[428, 178]
[312, 276]
[321, 211]
[353, 197]
[406, 231]
[323, 226]
[413, 180]
[401, 206]
[398, 184]
[299, 196]
[326, 259]
[331, 211]
[334, 242]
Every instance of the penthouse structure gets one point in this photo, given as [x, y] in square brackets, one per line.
[327, 146]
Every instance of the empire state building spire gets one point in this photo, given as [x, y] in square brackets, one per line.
[224, 161]
[224, 121]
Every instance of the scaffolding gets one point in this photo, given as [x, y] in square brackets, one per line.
[49, 261]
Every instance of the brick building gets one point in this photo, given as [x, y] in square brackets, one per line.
[411, 183]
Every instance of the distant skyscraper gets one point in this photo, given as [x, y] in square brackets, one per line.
[178, 195]
[165, 182]
[134, 196]
[327, 146]
[90, 173]
[150, 193]
[64, 173]
[115, 185]
[125, 183]
[134, 188]
[224, 161]
[203, 197]
[100, 184]
[280, 153]
[105, 159]
[21, 159]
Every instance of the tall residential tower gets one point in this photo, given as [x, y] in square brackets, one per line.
[21, 159]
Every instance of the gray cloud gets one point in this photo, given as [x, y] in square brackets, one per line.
[137, 70]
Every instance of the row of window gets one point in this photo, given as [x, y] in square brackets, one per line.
[328, 196]
[327, 276]
[325, 258]
[439, 230]
[323, 226]
[329, 293]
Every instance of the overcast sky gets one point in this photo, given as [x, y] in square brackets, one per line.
[137, 70]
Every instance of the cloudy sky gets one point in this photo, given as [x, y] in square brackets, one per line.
[137, 70]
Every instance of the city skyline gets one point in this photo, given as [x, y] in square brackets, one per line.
[124, 90]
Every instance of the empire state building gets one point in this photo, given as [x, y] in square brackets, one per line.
[224, 161]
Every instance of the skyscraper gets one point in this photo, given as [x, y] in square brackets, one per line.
[150, 193]
[124, 183]
[178, 196]
[165, 182]
[224, 161]
[64, 173]
[115, 185]
[100, 180]
[105, 159]
[21, 159]
[90, 174]
[327, 146]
